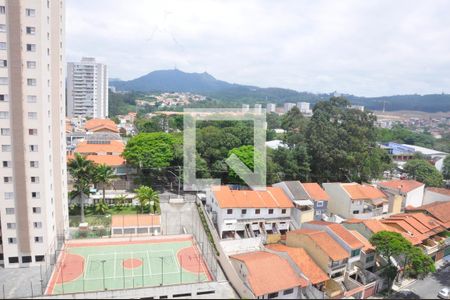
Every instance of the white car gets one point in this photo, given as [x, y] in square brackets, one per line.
[444, 293]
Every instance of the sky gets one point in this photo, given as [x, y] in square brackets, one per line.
[366, 48]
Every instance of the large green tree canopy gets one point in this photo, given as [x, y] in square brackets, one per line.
[421, 170]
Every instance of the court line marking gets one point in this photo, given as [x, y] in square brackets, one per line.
[177, 263]
[149, 264]
[115, 263]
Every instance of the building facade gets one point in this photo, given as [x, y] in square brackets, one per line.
[33, 197]
[87, 89]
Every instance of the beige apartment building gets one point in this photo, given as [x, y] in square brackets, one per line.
[33, 187]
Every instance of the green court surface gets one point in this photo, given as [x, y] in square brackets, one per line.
[124, 265]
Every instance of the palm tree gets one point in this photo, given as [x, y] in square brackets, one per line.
[120, 200]
[81, 169]
[105, 175]
[146, 195]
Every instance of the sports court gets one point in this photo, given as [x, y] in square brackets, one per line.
[123, 263]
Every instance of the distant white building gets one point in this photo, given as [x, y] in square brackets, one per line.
[304, 108]
[87, 89]
[271, 108]
[258, 108]
[437, 157]
[288, 107]
[357, 107]
[245, 108]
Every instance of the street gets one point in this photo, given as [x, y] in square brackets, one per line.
[427, 288]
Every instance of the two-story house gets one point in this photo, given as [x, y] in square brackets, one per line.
[354, 200]
[247, 214]
[268, 276]
[410, 193]
[343, 237]
[309, 199]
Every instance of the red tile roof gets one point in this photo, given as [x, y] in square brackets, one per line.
[324, 242]
[109, 160]
[92, 124]
[405, 186]
[342, 232]
[269, 273]
[271, 198]
[361, 192]
[368, 247]
[316, 192]
[441, 191]
[113, 146]
[438, 210]
[306, 264]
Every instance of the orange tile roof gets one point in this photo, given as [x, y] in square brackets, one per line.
[325, 242]
[306, 264]
[442, 191]
[342, 232]
[375, 225]
[135, 220]
[114, 146]
[368, 247]
[316, 192]
[93, 123]
[360, 192]
[103, 127]
[269, 273]
[405, 186]
[422, 225]
[271, 198]
[109, 160]
[438, 210]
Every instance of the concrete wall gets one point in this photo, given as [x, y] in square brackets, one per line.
[339, 202]
[232, 247]
[431, 197]
[415, 197]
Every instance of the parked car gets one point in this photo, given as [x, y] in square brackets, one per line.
[444, 293]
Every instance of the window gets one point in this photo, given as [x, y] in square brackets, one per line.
[12, 241]
[32, 131]
[31, 99]
[3, 46]
[38, 239]
[2, 10]
[34, 164]
[271, 211]
[9, 195]
[7, 179]
[3, 63]
[32, 115]
[31, 64]
[31, 82]
[229, 211]
[2, 27]
[31, 30]
[35, 195]
[6, 148]
[26, 259]
[370, 258]
[39, 258]
[6, 164]
[283, 211]
[30, 12]
[356, 252]
[5, 131]
[31, 47]
[10, 211]
[273, 295]
[13, 260]
[319, 203]
[3, 98]
[355, 212]
[37, 225]
[33, 148]
[288, 292]
[243, 211]
[4, 115]
[36, 210]
[257, 211]
[11, 225]
[34, 179]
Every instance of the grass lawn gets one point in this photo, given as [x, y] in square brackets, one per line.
[93, 218]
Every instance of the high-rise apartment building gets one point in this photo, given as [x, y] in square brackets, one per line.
[288, 106]
[33, 185]
[304, 107]
[87, 89]
[271, 107]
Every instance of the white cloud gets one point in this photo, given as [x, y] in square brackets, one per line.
[362, 47]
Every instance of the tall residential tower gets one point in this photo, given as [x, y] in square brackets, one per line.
[33, 185]
[87, 89]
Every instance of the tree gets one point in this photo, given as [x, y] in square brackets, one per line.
[120, 200]
[293, 164]
[150, 150]
[411, 261]
[104, 175]
[423, 171]
[248, 157]
[81, 170]
[446, 168]
[295, 125]
[147, 196]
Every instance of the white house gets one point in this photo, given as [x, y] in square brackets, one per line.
[247, 214]
[353, 200]
[412, 191]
